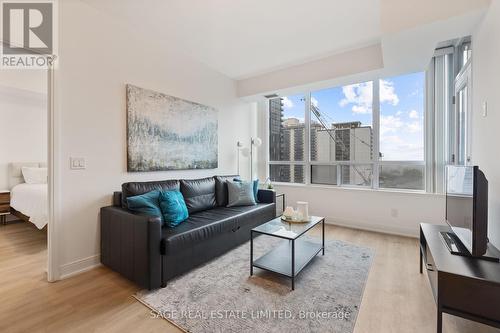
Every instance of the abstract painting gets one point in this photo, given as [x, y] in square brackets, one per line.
[169, 133]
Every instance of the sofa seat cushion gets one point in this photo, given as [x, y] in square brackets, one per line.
[208, 224]
[199, 194]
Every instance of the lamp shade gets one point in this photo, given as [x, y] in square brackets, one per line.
[257, 142]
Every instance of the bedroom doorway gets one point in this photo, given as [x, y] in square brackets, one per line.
[24, 171]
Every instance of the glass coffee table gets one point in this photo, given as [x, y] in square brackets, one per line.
[291, 255]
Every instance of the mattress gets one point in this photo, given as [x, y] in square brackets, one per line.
[32, 201]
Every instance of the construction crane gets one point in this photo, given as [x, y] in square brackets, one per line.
[332, 133]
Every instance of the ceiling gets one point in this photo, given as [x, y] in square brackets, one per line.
[242, 38]
[252, 40]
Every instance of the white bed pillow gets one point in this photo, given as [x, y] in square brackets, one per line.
[34, 175]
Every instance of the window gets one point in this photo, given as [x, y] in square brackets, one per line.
[402, 118]
[465, 53]
[287, 136]
[402, 176]
[450, 110]
[332, 136]
[342, 135]
[402, 132]
[460, 128]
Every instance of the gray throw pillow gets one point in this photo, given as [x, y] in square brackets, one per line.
[240, 193]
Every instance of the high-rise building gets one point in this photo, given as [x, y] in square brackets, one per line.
[348, 141]
[342, 142]
[293, 139]
[275, 123]
[279, 142]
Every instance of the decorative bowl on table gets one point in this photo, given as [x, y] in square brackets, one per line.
[295, 220]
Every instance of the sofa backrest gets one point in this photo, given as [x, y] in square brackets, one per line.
[199, 194]
[221, 195]
[137, 188]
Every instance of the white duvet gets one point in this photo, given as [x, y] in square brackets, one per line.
[32, 201]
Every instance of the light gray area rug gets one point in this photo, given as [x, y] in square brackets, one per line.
[220, 296]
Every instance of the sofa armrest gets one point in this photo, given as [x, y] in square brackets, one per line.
[266, 196]
[130, 245]
[117, 199]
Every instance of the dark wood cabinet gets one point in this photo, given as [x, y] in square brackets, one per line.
[4, 205]
[462, 286]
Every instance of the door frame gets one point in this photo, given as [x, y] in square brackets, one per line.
[53, 139]
[53, 272]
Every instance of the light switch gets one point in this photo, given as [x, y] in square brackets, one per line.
[77, 163]
[485, 109]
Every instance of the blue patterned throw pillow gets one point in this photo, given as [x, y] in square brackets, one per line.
[173, 208]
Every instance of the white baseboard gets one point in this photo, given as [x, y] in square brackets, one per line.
[79, 266]
[370, 226]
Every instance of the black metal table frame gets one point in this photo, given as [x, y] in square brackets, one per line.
[294, 274]
[283, 199]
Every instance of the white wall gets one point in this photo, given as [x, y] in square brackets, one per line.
[397, 15]
[384, 211]
[91, 111]
[34, 80]
[485, 133]
[23, 127]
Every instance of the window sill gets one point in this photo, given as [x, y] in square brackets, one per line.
[354, 188]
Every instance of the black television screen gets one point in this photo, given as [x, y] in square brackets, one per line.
[466, 206]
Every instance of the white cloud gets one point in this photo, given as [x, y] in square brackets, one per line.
[287, 103]
[314, 102]
[398, 140]
[390, 124]
[401, 151]
[361, 109]
[413, 114]
[360, 95]
[414, 127]
[387, 93]
[399, 113]
[391, 139]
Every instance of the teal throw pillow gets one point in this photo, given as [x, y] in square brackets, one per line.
[255, 187]
[173, 208]
[147, 203]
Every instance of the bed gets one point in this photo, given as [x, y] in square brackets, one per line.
[28, 202]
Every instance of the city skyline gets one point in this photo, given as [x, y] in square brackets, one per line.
[401, 112]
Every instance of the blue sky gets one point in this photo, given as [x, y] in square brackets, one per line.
[401, 114]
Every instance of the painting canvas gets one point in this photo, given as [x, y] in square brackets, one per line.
[169, 133]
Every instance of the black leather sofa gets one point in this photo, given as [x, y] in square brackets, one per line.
[141, 249]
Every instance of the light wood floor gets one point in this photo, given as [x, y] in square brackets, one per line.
[397, 298]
